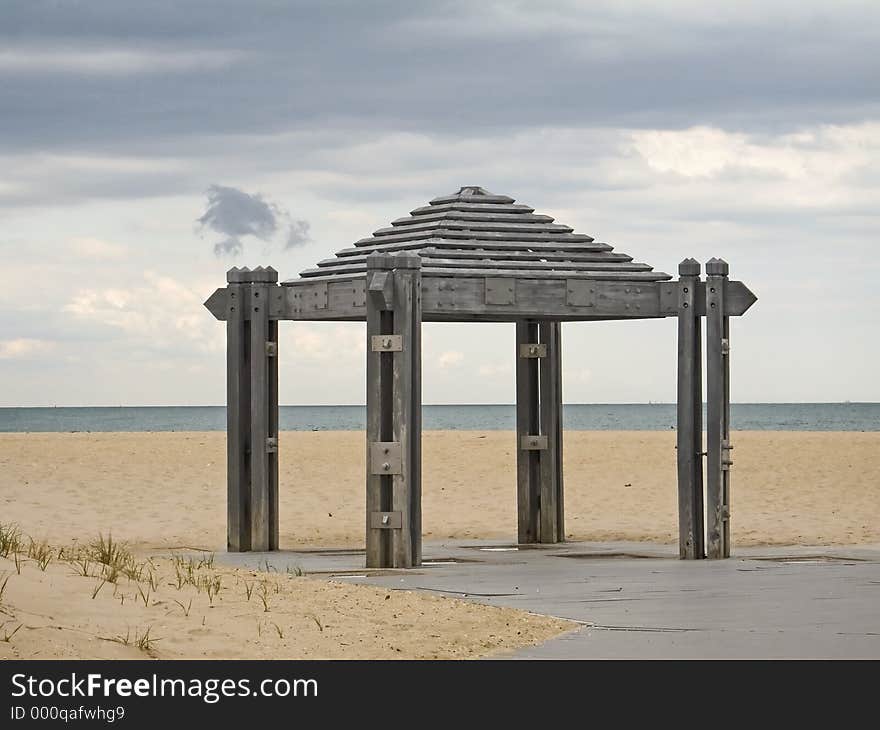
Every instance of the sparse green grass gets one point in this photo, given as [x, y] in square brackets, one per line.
[41, 553]
[264, 596]
[10, 539]
[81, 565]
[185, 608]
[7, 635]
[143, 641]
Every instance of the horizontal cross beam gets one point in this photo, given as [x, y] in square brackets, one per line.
[462, 299]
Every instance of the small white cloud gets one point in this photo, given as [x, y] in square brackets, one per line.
[449, 359]
[96, 248]
[112, 61]
[23, 348]
[491, 371]
[162, 313]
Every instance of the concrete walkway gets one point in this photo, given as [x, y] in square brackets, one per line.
[640, 601]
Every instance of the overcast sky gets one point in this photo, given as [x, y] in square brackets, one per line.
[145, 148]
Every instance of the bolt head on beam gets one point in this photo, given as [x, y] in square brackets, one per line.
[689, 267]
[717, 267]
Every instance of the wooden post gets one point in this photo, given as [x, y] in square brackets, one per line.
[690, 410]
[252, 411]
[717, 410]
[394, 318]
[552, 527]
[527, 423]
[540, 514]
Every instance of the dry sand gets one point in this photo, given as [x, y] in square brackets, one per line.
[167, 490]
[302, 618]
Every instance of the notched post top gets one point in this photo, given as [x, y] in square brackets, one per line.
[717, 267]
[259, 275]
[689, 267]
[387, 261]
[407, 260]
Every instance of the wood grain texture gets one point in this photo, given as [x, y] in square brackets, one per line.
[259, 419]
[550, 373]
[527, 423]
[689, 430]
[237, 412]
[715, 416]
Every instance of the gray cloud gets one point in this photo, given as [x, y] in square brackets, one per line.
[433, 68]
[235, 215]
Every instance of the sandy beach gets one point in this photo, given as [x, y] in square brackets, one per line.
[166, 491]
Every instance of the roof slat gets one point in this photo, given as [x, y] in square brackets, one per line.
[439, 261]
[481, 217]
[467, 225]
[469, 235]
[515, 273]
[500, 256]
[557, 273]
[409, 244]
[549, 255]
[473, 208]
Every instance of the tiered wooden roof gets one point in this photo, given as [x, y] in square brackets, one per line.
[476, 233]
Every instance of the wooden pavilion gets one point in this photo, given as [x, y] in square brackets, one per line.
[473, 256]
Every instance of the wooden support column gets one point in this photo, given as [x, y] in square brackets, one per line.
[251, 411]
[690, 411]
[540, 514]
[552, 522]
[717, 412]
[394, 429]
[528, 475]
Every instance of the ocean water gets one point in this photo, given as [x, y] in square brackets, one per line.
[577, 417]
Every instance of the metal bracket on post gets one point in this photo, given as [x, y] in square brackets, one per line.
[386, 520]
[385, 457]
[271, 349]
[533, 443]
[532, 350]
[580, 293]
[500, 291]
[271, 444]
[386, 343]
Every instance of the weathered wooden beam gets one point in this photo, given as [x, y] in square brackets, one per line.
[552, 528]
[540, 514]
[690, 407]
[259, 418]
[571, 297]
[527, 423]
[238, 346]
[393, 482]
[717, 507]
[252, 411]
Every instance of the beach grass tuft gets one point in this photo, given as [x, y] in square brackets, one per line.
[10, 539]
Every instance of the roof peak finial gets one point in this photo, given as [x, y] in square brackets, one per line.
[473, 190]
